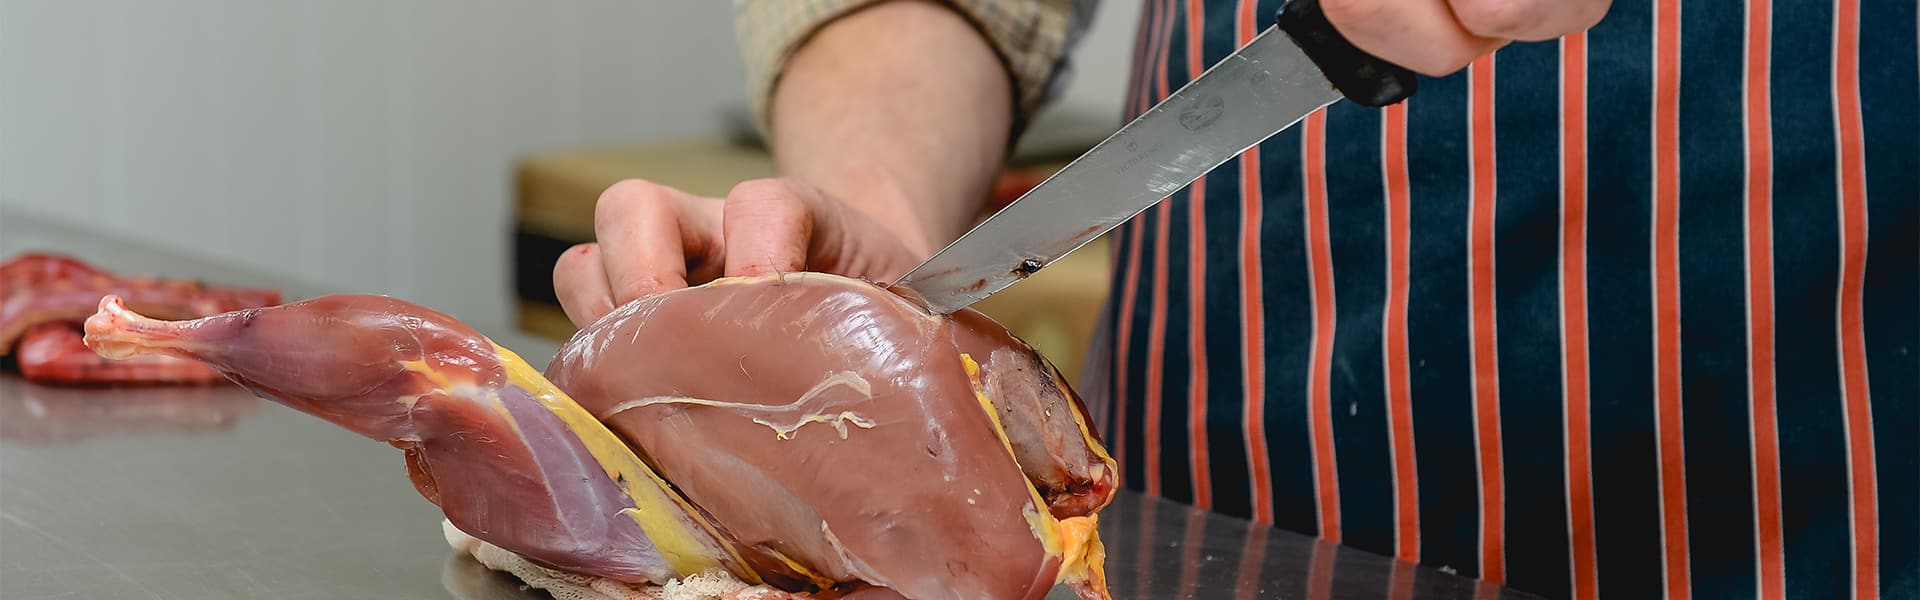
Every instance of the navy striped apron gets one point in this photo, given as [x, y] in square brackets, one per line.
[1630, 314]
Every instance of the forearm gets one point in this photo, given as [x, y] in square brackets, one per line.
[902, 110]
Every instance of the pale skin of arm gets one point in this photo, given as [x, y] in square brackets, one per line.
[881, 164]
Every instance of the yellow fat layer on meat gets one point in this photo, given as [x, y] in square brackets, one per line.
[1086, 432]
[1075, 540]
[1086, 556]
[657, 511]
[1045, 528]
[817, 579]
[420, 366]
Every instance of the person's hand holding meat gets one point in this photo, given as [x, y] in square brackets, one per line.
[882, 165]
[653, 238]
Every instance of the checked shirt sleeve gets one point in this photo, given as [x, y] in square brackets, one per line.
[1031, 37]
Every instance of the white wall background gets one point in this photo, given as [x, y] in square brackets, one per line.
[359, 145]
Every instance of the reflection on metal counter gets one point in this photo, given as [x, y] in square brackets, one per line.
[1165, 551]
[33, 413]
[1161, 549]
[467, 579]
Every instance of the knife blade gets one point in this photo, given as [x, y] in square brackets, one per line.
[1295, 67]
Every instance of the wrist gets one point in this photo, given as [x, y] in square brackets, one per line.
[892, 199]
[857, 115]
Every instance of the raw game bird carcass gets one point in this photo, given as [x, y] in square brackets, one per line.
[798, 433]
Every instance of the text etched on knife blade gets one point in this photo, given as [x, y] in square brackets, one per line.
[1138, 156]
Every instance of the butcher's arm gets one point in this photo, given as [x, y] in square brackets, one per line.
[901, 110]
[888, 121]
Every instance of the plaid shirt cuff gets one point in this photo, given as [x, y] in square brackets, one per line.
[1031, 38]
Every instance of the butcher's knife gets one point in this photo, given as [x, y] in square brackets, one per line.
[1295, 67]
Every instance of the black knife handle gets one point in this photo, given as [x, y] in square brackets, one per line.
[1361, 77]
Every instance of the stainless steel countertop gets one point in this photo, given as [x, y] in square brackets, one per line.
[208, 493]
